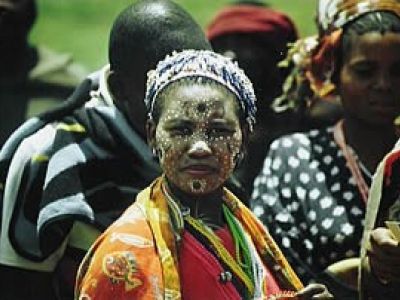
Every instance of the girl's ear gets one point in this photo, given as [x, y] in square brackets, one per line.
[151, 133]
[245, 138]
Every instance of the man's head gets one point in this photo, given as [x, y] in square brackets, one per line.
[257, 37]
[143, 34]
[16, 20]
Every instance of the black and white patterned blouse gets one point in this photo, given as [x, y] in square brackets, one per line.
[309, 201]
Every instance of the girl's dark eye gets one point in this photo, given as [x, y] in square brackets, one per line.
[219, 131]
[180, 131]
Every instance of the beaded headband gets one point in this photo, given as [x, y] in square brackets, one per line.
[202, 63]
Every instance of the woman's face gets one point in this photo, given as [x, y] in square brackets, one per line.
[370, 78]
[198, 136]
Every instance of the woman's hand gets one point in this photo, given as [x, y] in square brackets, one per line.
[346, 270]
[314, 291]
[384, 255]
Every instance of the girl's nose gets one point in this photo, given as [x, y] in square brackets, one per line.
[199, 148]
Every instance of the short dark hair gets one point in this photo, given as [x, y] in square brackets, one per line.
[147, 31]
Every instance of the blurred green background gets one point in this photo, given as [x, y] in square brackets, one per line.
[81, 27]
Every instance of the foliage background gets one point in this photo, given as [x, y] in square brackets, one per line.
[81, 27]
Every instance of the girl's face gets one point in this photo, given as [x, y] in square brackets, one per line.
[370, 79]
[198, 136]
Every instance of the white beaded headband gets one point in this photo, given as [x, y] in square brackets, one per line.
[207, 64]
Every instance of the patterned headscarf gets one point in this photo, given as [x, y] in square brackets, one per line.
[314, 57]
[202, 63]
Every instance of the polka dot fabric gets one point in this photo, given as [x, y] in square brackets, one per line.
[310, 203]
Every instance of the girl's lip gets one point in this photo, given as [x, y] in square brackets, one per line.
[198, 170]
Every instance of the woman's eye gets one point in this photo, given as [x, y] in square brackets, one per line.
[220, 132]
[180, 131]
[363, 71]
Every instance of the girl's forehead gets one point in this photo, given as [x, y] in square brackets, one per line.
[200, 108]
[199, 99]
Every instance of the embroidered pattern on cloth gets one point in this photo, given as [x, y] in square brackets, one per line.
[121, 266]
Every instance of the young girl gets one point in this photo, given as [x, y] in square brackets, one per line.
[186, 236]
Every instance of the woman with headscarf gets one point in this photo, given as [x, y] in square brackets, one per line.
[313, 189]
[186, 236]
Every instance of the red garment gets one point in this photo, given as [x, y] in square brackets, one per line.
[251, 19]
[200, 271]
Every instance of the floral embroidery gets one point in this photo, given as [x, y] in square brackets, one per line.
[122, 266]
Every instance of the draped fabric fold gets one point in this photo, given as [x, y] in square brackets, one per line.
[156, 268]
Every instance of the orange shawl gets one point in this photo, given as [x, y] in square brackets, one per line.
[136, 257]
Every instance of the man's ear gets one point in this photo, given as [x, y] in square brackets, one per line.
[151, 127]
[117, 88]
